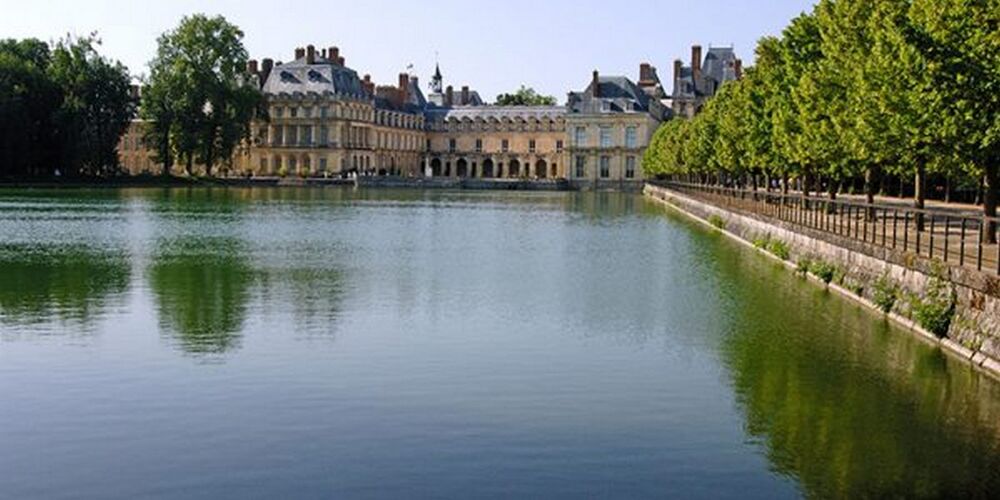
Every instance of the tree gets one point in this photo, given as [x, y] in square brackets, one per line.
[960, 43]
[525, 96]
[97, 107]
[63, 109]
[28, 102]
[200, 102]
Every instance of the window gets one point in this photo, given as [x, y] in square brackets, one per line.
[581, 166]
[322, 164]
[531, 146]
[630, 167]
[324, 111]
[279, 111]
[581, 136]
[292, 164]
[324, 134]
[307, 112]
[605, 167]
[605, 137]
[263, 164]
[630, 137]
[307, 135]
[293, 111]
[559, 146]
[428, 144]
[505, 145]
[479, 145]
[451, 145]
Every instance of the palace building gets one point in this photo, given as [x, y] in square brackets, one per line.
[326, 120]
[694, 85]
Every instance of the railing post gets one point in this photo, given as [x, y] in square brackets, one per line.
[961, 245]
[930, 244]
[906, 231]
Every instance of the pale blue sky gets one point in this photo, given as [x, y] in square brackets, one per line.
[494, 46]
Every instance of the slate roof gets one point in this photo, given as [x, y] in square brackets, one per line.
[323, 77]
[618, 94]
[498, 113]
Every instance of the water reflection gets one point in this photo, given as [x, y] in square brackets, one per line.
[311, 296]
[201, 287]
[845, 404]
[73, 283]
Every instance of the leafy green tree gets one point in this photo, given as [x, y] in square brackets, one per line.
[200, 102]
[28, 103]
[960, 44]
[525, 96]
[97, 107]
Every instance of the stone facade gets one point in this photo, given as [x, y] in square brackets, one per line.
[609, 125]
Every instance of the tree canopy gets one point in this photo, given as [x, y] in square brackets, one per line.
[62, 109]
[855, 90]
[525, 96]
[198, 100]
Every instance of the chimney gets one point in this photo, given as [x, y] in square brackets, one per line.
[596, 84]
[739, 69]
[449, 96]
[678, 69]
[404, 86]
[333, 54]
[465, 95]
[645, 73]
[266, 66]
[340, 61]
[323, 53]
[299, 53]
[696, 61]
[252, 67]
[310, 55]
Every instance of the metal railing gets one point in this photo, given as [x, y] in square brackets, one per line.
[951, 236]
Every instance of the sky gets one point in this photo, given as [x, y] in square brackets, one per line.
[492, 46]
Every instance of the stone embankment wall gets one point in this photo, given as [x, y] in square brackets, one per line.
[868, 273]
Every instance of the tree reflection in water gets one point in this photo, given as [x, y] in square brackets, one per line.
[72, 283]
[201, 287]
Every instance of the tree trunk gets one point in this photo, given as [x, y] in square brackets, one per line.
[919, 194]
[190, 164]
[947, 189]
[832, 192]
[784, 183]
[871, 174]
[991, 183]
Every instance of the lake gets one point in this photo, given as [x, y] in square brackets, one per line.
[318, 343]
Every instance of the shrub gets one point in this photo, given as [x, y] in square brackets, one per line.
[762, 242]
[823, 270]
[780, 249]
[936, 309]
[885, 294]
[283, 171]
[717, 221]
[804, 265]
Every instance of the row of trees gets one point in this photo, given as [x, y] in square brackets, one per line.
[62, 108]
[198, 100]
[855, 89]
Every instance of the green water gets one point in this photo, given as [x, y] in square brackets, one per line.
[316, 343]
